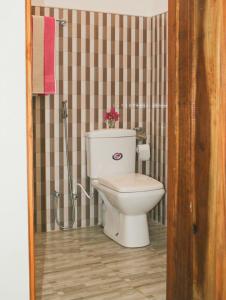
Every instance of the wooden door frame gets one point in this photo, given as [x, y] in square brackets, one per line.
[196, 253]
[187, 116]
[179, 259]
[29, 125]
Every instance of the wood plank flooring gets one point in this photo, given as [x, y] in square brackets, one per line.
[85, 264]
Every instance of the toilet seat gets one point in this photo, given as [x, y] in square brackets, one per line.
[131, 183]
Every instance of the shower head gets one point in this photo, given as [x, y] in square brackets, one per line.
[62, 22]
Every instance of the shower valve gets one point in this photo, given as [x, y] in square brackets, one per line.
[57, 194]
[75, 196]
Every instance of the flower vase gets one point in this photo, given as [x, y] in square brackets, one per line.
[111, 123]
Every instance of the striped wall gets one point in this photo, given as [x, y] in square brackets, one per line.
[102, 59]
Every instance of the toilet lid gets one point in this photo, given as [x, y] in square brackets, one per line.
[131, 183]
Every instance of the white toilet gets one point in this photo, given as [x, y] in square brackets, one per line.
[127, 196]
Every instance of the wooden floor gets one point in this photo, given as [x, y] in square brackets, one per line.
[85, 264]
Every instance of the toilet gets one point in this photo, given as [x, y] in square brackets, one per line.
[127, 196]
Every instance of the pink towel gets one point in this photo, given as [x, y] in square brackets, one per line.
[49, 56]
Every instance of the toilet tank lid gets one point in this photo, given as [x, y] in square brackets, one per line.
[111, 133]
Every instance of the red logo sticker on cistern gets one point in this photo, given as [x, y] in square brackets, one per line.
[117, 156]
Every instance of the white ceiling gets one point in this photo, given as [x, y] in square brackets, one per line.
[130, 7]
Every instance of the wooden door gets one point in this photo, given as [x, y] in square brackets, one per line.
[197, 150]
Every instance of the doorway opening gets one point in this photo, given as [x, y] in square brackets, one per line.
[185, 133]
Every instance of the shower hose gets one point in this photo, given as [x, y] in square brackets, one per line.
[72, 196]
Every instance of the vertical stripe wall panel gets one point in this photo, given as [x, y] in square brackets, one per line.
[102, 60]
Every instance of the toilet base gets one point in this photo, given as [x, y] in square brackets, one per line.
[128, 231]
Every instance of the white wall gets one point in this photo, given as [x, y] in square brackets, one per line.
[130, 7]
[14, 279]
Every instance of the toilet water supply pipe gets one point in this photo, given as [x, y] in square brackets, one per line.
[72, 196]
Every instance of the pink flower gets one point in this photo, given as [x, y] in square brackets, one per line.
[112, 115]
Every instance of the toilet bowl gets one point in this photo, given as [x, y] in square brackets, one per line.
[128, 198]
